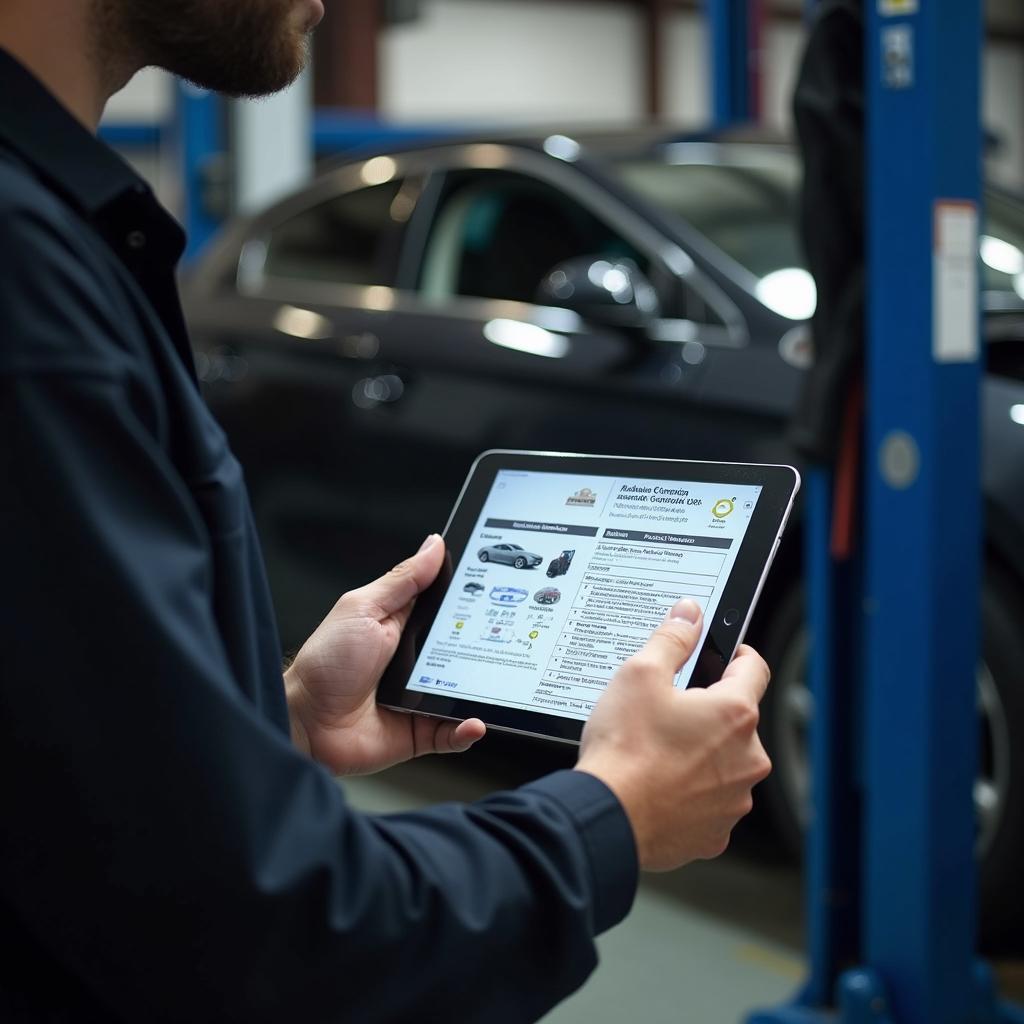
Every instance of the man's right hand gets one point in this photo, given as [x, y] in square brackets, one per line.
[682, 762]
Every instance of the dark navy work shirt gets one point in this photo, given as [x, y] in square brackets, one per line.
[165, 852]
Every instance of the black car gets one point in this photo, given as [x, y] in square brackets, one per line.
[363, 340]
[559, 566]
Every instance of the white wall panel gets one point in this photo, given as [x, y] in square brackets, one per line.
[686, 89]
[514, 60]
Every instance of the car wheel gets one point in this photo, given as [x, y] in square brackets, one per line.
[999, 788]
[520, 562]
[484, 557]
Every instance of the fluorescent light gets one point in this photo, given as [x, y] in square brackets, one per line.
[1001, 256]
[790, 292]
[527, 338]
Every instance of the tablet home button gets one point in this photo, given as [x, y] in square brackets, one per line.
[731, 617]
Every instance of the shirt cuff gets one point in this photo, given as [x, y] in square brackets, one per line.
[607, 837]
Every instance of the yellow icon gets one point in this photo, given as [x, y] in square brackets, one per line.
[459, 624]
[723, 507]
[534, 633]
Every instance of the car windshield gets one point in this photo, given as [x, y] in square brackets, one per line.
[514, 547]
[743, 198]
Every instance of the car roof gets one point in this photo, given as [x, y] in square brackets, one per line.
[606, 143]
[602, 143]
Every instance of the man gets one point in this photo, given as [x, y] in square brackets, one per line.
[171, 849]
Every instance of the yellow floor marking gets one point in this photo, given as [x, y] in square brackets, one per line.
[785, 966]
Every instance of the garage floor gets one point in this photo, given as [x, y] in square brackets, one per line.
[705, 944]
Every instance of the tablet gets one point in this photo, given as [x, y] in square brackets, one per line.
[558, 567]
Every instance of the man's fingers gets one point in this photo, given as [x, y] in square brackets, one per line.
[674, 641]
[394, 591]
[449, 737]
[748, 673]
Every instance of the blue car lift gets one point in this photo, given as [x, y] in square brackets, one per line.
[890, 872]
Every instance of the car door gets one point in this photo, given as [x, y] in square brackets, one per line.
[488, 365]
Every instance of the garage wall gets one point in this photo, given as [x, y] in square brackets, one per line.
[148, 97]
[514, 60]
[685, 88]
[552, 60]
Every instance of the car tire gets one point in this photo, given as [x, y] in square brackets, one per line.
[484, 557]
[999, 791]
[520, 562]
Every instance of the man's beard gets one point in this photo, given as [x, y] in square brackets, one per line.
[236, 47]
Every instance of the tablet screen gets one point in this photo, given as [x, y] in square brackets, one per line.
[565, 575]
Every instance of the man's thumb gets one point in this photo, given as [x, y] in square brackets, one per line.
[675, 640]
[395, 589]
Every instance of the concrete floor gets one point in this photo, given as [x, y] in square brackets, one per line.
[706, 944]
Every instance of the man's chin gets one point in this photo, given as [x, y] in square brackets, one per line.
[249, 82]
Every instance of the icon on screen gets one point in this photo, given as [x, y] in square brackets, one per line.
[723, 507]
[584, 496]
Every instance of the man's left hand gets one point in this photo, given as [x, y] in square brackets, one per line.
[331, 684]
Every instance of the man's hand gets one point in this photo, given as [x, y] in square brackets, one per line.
[332, 683]
[682, 762]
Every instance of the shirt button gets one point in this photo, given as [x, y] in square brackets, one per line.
[135, 240]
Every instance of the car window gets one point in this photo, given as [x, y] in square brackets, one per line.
[747, 209]
[746, 203]
[497, 234]
[349, 239]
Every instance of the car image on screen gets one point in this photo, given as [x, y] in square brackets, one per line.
[509, 554]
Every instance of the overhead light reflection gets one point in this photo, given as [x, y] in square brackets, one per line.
[611, 278]
[1017, 414]
[405, 202]
[302, 323]
[616, 281]
[527, 338]
[378, 170]
[556, 318]
[561, 147]
[379, 297]
[486, 155]
[1003, 257]
[790, 292]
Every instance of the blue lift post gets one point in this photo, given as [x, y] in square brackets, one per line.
[923, 518]
[915, 726]
[729, 33]
[200, 141]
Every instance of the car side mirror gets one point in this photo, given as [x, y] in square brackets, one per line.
[613, 292]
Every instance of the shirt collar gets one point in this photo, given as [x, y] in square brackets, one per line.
[72, 161]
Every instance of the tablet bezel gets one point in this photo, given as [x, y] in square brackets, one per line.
[779, 488]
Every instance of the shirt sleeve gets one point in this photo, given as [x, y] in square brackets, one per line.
[164, 842]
